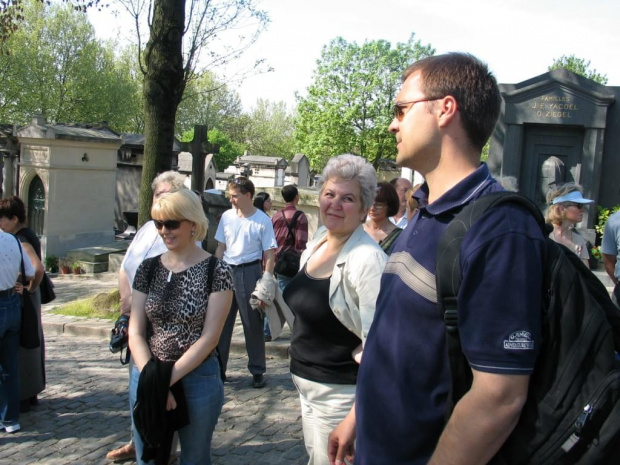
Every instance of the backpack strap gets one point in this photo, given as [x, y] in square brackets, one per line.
[448, 279]
[151, 270]
[21, 253]
[209, 286]
[292, 224]
[210, 272]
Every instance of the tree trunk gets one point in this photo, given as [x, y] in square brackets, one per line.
[163, 88]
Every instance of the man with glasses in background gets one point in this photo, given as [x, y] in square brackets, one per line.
[244, 234]
[402, 186]
[444, 114]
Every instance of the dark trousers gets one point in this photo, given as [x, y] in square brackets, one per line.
[617, 294]
[244, 279]
[10, 320]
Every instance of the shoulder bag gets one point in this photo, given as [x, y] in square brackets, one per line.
[29, 330]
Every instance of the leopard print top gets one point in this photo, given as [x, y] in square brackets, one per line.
[176, 310]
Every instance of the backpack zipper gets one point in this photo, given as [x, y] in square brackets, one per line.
[576, 427]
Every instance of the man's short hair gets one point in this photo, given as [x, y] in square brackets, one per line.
[289, 193]
[470, 82]
[243, 184]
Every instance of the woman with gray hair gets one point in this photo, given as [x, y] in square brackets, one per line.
[333, 298]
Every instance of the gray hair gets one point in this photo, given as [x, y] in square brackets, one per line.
[349, 167]
[173, 178]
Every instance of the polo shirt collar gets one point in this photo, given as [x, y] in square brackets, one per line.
[459, 195]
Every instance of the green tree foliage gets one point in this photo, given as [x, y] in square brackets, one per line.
[12, 12]
[208, 101]
[228, 150]
[270, 130]
[579, 66]
[178, 31]
[55, 66]
[348, 106]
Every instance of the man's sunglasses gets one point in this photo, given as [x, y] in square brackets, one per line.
[169, 224]
[399, 108]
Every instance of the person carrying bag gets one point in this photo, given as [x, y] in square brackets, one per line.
[29, 331]
[287, 263]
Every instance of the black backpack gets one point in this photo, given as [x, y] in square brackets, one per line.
[287, 263]
[572, 412]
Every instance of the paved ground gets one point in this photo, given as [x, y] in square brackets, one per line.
[83, 412]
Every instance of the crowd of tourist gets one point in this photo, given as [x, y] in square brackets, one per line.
[367, 352]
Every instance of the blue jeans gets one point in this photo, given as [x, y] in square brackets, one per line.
[283, 281]
[204, 393]
[10, 320]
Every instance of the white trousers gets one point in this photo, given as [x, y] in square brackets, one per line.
[323, 407]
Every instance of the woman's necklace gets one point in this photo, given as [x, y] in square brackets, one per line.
[174, 269]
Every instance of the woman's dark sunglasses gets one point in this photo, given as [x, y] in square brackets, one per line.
[169, 224]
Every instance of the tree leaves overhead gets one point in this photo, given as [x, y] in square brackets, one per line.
[348, 106]
[12, 12]
[579, 66]
[208, 101]
[270, 130]
[56, 67]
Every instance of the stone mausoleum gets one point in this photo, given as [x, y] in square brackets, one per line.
[67, 177]
[560, 127]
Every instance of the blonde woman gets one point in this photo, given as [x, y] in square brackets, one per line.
[566, 206]
[180, 302]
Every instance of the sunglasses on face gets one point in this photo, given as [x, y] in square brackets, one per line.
[377, 206]
[580, 206]
[169, 224]
[399, 108]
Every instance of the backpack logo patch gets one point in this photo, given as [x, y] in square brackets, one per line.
[519, 340]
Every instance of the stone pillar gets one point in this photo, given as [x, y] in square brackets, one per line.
[7, 176]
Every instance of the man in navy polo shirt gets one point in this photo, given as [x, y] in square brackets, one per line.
[444, 114]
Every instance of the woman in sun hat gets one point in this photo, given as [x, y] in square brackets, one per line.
[566, 206]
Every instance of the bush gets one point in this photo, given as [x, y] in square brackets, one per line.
[602, 215]
[51, 263]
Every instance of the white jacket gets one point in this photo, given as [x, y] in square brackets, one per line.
[354, 285]
[268, 292]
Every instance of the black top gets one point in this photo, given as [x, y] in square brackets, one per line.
[320, 345]
[29, 236]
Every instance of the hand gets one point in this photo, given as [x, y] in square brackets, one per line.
[171, 404]
[357, 354]
[19, 288]
[340, 445]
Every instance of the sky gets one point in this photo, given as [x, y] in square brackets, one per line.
[518, 39]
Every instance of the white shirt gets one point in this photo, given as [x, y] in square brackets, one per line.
[11, 261]
[245, 238]
[146, 243]
[402, 223]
